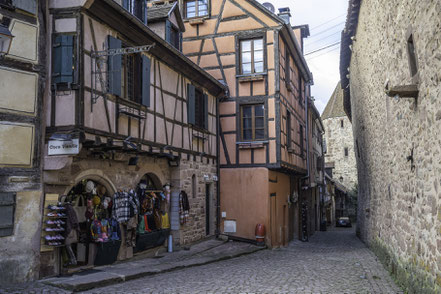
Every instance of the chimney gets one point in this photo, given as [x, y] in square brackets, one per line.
[285, 14]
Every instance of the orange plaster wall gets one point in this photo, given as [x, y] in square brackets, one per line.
[244, 198]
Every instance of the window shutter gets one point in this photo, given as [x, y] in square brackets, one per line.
[114, 64]
[126, 5]
[7, 211]
[191, 104]
[144, 11]
[62, 63]
[206, 111]
[145, 81]
[168, 31]
[287, 69]
[180, 41]
[26, 5]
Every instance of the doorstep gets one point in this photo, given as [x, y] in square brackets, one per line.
[204, 252]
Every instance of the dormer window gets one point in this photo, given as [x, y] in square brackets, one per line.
[196, 8]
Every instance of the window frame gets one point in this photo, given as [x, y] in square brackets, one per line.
[196, 9]
[240, 55]
[253, 122]
[288, 130]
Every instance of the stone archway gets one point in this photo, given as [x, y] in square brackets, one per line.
[94, 175]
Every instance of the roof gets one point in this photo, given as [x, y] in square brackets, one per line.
[163, 11]
[346, 52]
[335, 108]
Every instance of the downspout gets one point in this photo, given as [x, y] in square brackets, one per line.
[218, 170]
[307, 160]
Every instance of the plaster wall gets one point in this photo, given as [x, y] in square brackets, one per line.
[399, 212]
[337, 139]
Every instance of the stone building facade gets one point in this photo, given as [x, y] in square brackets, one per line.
[390, 71]
[340, 153]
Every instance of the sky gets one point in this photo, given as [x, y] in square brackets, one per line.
[326, 20]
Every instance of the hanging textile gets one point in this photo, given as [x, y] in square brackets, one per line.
[124, 206]
[184, 207]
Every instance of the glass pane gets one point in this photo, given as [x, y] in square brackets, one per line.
[258, 56]
[258, 67]
[259, 110]
[191, 14]
[246, 57]
[247, 135]
[246, 46]
[246, 111]
[191, 4]
[259, 122]
[246, 68]
[258, 44]
[260, 133]
[203, 7]
[247, 123]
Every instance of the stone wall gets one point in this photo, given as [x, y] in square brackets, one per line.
[337, 139]
[195, 228]
[399, 160]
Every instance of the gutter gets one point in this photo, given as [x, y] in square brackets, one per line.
[218, 212]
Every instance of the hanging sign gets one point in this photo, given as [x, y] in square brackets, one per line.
[57, 147]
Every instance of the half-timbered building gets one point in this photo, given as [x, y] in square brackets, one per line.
[23, 76]
[259, 56]
[126, 108]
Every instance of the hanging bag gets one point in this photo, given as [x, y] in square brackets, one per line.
[79, 205]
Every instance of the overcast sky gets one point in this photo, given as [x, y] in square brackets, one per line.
[326, 21]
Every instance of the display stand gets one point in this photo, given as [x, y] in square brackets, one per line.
[151, 240]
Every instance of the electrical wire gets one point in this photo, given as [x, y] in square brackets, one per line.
[322, 24]
[324, 53]
[316, 41]
[323, 48]
[328, 29]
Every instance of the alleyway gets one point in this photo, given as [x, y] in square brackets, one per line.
[332, 262]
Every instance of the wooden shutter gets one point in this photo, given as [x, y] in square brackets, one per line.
[191, 104]
[145, 81]
[180, 41]
[206, 111]
[62, 60]
[7, 210]
[114, 67]
[168, 31]
[26, 5]
[126, 4]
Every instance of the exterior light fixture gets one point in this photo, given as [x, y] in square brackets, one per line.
[5, 40]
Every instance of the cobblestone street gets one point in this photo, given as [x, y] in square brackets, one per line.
[332, 262]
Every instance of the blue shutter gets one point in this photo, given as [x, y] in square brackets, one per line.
[144, 11]
[126, 5]
[26, 5]
[168, 31]
[145, 81]
[114, 70]
[62, 59]
[191, 104]
[206, 111]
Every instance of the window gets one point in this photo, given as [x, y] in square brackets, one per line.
[196, 8]
[287, 69]
[288, 129]
[197, 111]
[137, 7]
[341, 123]
[7, 210]
[26, 5]
[173, 35]
[346, 151]
[128, 75]
[251, 56]
[63, 59]
[252, 122]
[301, 141]
[193, 186]
[412, 56]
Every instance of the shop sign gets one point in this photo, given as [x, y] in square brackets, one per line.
[56, 147]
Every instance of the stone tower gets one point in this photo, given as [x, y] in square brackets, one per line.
[340, 156]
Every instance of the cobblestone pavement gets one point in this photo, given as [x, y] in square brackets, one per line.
[332, 262]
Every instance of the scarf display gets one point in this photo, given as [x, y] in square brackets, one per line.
[184, 207]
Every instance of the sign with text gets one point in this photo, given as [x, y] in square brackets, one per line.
[63, 147]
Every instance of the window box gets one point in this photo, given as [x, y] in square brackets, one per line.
[196, 21]
[251, 78]
[251, 145]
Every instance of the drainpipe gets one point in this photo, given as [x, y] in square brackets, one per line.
[218, 170]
